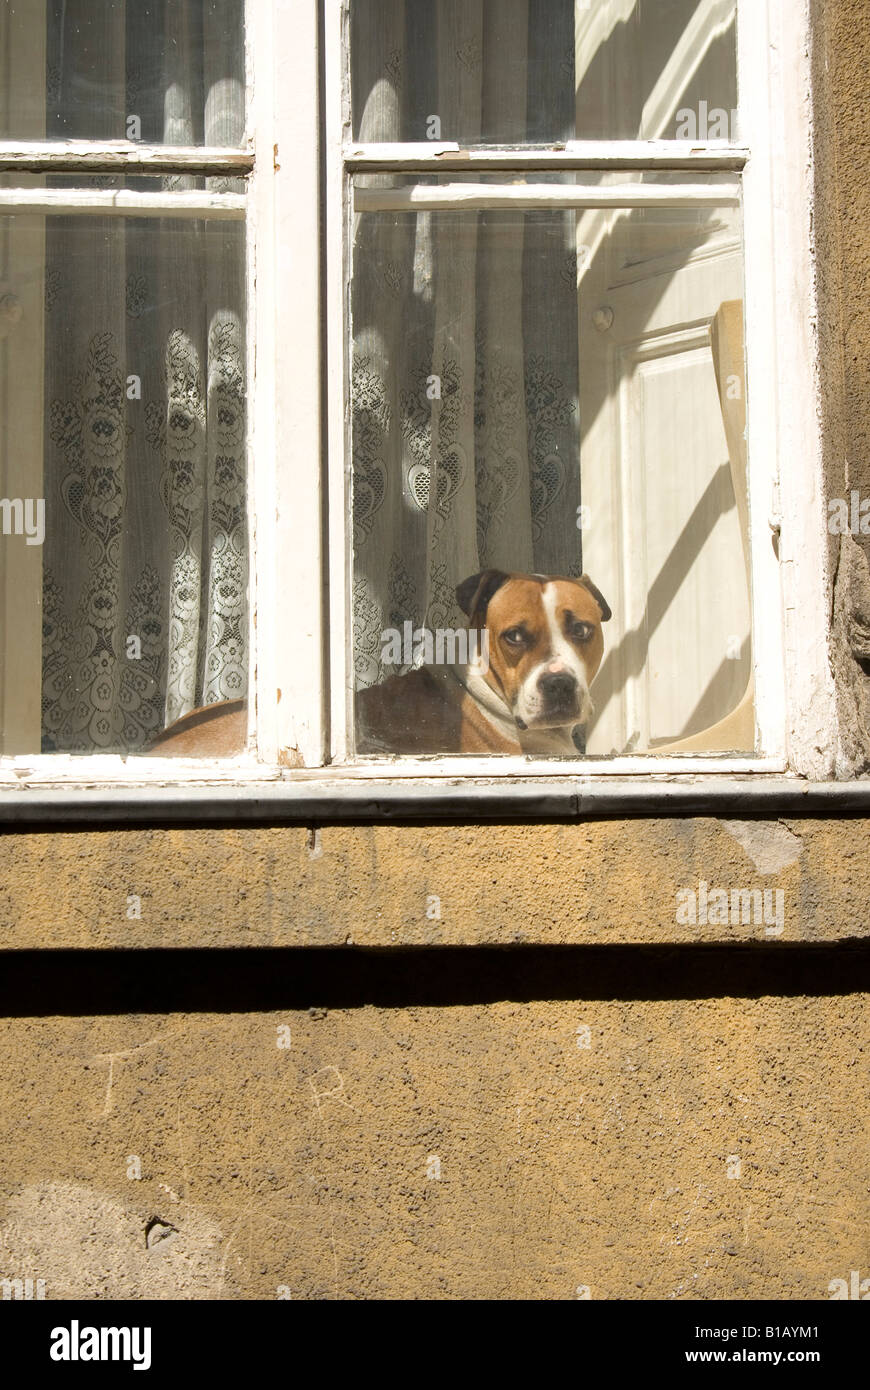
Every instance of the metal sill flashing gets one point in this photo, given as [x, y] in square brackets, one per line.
[385, 800]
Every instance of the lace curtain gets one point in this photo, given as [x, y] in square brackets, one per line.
[145, 564]
[464, 374]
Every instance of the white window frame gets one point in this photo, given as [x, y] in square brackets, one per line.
[300, 149]
[794, 690]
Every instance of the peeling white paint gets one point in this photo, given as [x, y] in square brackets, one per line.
[770, 846]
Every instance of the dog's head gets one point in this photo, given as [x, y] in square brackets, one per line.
[545, 642]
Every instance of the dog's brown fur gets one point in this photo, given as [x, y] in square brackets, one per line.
[427, 711]
[213, 731]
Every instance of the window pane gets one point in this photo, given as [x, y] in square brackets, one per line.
[161, 71]
[550, 393]
[536, 71]
[123, 554]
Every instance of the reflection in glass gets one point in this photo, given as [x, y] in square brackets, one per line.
[538, 71]
[160, 71]
[122, 373]
[556, 393]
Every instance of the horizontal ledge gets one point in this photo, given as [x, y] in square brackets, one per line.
[123, 202]
[574, 154]
[473, 196]
[385, 800]
[74, 156]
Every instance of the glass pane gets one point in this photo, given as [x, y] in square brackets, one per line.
[548, 394]
[123, 554]
[537, 71]
[160, 71]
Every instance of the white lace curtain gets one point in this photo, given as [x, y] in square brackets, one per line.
[145, 565]
[480, 308]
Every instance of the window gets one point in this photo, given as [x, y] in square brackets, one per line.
[123, 370]
[547, 376]
[384, 403]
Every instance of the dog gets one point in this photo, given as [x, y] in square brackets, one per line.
[531, 693]
[544, 645]
[212, 731]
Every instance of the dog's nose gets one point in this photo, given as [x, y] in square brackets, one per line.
[557, 688]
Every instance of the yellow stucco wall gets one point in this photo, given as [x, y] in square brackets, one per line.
[459, 1151]
[841, 56]
[613, 881]
[643, 1121]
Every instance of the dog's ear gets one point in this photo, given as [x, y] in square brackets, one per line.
[474, 593]
[597, 595]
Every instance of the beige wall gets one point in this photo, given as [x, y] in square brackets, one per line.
[155, 1089]
[841, 60]
[388, 885]
[560, 1166]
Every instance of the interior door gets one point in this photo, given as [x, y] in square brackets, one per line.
[662, 531]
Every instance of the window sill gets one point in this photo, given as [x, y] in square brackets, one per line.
[224, 794]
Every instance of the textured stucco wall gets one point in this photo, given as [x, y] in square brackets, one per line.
[388, 885]
[841, 63]
[637, 1120]
[672, 1118]
[314, 1167]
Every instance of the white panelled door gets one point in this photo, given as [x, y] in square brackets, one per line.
[661, 529]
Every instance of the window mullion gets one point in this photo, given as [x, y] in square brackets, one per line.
[449, 157]
[123, 202]
[796, 703]
[472, 197]
[286, 441]
[119, 156]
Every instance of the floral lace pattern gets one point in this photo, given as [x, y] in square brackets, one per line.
[225, 666]
[144, 560]
[130, 645]
[549, 414]
[498, 426]
[518, 416]
[422, 421]
[199, 437]
[372, 418]
[93, 696]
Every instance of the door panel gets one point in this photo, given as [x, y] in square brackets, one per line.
[662, 534]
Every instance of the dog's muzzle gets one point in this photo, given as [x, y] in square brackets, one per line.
[558, 694]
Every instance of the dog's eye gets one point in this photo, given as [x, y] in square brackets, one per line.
[515, 636]
[581, 632]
